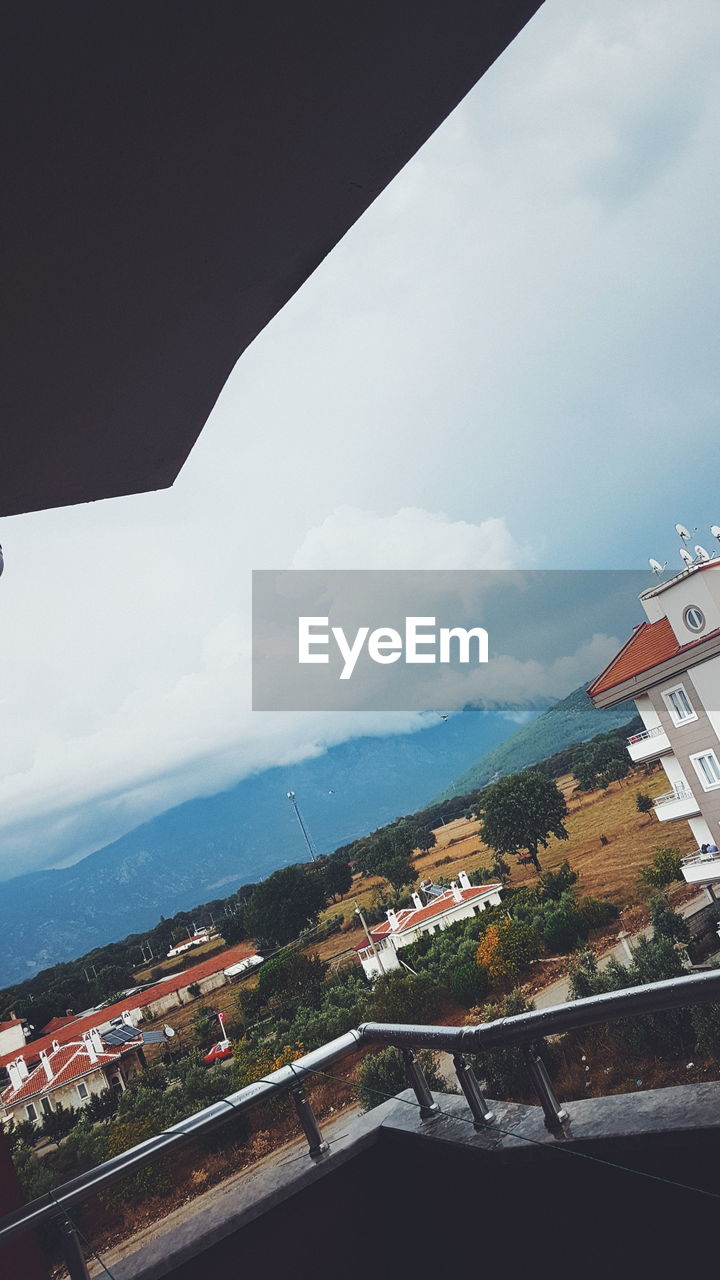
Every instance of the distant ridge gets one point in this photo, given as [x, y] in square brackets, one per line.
[573, 719]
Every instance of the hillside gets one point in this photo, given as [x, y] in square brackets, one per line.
[572, 720]
[206, 847]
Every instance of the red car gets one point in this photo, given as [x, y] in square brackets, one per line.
[218, 1053]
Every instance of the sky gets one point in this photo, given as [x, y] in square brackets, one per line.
[508, 362]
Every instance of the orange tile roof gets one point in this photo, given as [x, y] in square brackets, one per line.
[650, 644]
[69, 1062]
[411, 917]
[215, 964]
[13, 1022]
[56, 1023]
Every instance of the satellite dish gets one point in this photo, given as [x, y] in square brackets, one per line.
[702, 555]
[682, 532]
[655, 565]
[291, 795]
[686, 557]
[168, 1031]
[714, 529]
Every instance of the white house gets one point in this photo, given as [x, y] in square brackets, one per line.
[12, 1035]
[68, 1074]
[670, 666]
[405, 926]
[199, 937]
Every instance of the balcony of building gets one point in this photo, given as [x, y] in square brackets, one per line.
[425, 1183]
[677, 803]
[701, 868]
[648, 745]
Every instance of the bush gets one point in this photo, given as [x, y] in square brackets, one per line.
[663, 870]
[404, 997]
[667, 923]
[35, 1176]
[469, 984]
[382, 1075]
[597, 913]
[58, 1123]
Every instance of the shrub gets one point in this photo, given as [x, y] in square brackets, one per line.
[58, 1123]
[503, 1069]
[381, 1075]
[468, 984]
[404, 997]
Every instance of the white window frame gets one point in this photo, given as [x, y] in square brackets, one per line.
[30, 1107]
[667, 698]
[695, 760]
[83, 1096]
[46, 1106]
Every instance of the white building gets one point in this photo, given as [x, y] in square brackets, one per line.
[68, 1074]
[198, 938]
[12, 1035]
[405, 926]
[670, 666]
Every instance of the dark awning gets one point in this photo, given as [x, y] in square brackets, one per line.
[172, 173]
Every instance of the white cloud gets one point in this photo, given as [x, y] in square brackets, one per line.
[508, 337]
[412, 538]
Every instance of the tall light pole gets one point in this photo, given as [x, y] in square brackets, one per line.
[308, 838]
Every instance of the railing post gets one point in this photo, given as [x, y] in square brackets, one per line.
[555, 1115]
[72, 1251]
[481, 1113]
[419, 1085]
[306, 1116]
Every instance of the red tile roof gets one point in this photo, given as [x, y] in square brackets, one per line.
[411, 917]
[56, 1023]
[69, 1062]
[13, 1022]
[215, 964]
[650, 644]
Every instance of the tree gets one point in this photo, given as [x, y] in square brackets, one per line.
[389, 854]
[521, 812]
[643, 803]
[335, 877]
[667, 923]
[600, 762]
[233, 928]
[291, 974]
[205, 1028]
[506, 949]
[665, 867]
[57, 1124]
[284, 904]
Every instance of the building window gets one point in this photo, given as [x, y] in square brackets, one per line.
[46, 1106]
[707, 768]
[694, 618]
[679, 705]
[82, 1091]
[31, 1112]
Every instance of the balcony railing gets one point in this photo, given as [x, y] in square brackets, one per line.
[525, 1030]
[678, 803]
[649, 743]
[647, 733]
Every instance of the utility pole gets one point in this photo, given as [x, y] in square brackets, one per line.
[371, 941]
[308, 839]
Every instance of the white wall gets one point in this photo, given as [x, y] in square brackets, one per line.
[647, 712]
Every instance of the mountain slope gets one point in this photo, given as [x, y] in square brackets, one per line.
[573, 719]
[206, 847]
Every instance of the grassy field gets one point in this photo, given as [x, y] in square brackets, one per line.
[606, 870]
[178, 964]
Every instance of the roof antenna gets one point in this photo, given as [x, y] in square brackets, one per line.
[686, 558]
[656, 566]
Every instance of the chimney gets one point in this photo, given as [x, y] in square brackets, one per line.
[456, 892]
[23, 1069]
[127, 1019]
[418, 901]
[89, 1046]
[45, 1063]
[96, 1040]
[55, 1046]
[464, 881]
[392, 918]
[14, 1075]
[69, 1013]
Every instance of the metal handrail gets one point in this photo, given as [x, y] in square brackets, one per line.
[680, 791]
[646, 733]
[523, 1029]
